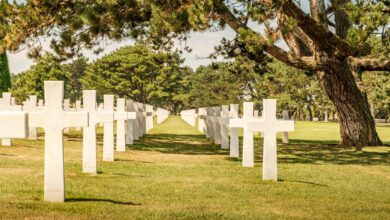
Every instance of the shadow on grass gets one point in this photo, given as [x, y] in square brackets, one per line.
[320, 152]
[8, 155]
[297, 151]
[303, 182]
[102, 200]
[178, 144]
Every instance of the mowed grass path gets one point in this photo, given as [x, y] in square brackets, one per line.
[176, 173]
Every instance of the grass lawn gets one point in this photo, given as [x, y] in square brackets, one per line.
[175, 172]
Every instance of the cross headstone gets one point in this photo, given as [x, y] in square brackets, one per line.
[130, 123]
[30, 105]
[247, 146]
[208, 122]
[202, 114]
[6, 105]
[68, 109]
[13, 125]
[189, 116]
[234, 139]
[40, 103]
[121, 115]
[108, 136]
[224, 126]
[269, 125]
[285, 134]
[78, 108]
[138, 122]
[100, 108]
[53, 119]
[142, 120]
[162, 115]
[89, 133]
[149, 117]
[216, 125]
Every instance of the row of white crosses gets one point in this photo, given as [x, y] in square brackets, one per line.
[215, 121]
[53, 118]
[7, 104]
[189, 116]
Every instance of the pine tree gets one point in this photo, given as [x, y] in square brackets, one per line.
[5, 81]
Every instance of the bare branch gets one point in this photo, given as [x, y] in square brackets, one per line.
[370, 64]
[305, 63]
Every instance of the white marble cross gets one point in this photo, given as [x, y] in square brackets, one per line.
[138, 122]
[89, 133]
[40, 103]
[100, 108]
[208, 122]
[7, 105]
[108, 136]
[149, 117]
[131, 124]
[162, 115]
[78, 108]
[285, 134]
[216, 126]
[142, 119]
[234, 139]
[121, 115]
[53, 119]
[247, 146]
[189, 116]
[202, 114]
[13, 125]
[224, 123]
[270, 126]
[31, 106]
[67, 109]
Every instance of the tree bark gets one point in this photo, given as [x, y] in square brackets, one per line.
[357, 126]
[309, 112]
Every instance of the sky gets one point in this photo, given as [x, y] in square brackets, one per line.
[202, 44]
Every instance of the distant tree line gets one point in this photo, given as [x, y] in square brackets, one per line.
[142, 74]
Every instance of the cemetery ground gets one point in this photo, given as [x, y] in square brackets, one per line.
[175, 172]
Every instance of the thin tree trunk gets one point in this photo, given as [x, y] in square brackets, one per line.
[357, 126]
[326, 119]
[310, 113]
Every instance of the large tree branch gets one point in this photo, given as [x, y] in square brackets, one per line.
[299, 43]
[318, 13]
[370, 64]
[304, 63]
[325, 39]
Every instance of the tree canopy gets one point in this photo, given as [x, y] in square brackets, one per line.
[141, 74]
[333, 39]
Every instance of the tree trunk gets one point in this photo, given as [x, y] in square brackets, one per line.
[357, 127]
[326, 119]
[309, 112]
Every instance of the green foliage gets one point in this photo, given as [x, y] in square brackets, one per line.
[31, 82]
[224, 83]
[367, 17]
[242, 79]
[74, 71]
[5, 76]
[141, 74]
[298, 92]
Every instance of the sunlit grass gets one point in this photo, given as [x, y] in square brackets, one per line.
[175, 172]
